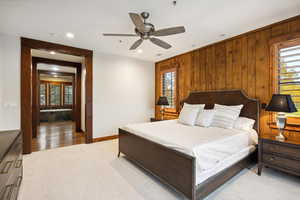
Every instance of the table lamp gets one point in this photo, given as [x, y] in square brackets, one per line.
[162, 101]
[282, 104]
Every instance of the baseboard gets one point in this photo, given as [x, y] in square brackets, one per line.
[100, 139]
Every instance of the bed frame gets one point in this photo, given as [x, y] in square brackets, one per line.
[177, 169]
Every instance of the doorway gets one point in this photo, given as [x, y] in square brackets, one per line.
[57, 102]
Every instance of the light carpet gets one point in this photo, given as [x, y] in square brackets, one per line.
[93, 172]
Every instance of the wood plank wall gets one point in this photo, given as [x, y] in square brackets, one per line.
[241, 62]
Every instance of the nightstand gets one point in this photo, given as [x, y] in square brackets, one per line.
[280, 155]
[152, 119]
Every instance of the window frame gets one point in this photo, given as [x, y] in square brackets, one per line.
[162, 72]
[62, 104]
[276, 44]
[64, 89]
[46, 94]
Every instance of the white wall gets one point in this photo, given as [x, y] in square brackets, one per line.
[10, 82]
[124, 92]
[123, 89]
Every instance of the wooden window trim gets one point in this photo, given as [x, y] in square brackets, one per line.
[162, 72]
[63, 95]
[285, 41]
[48, 96]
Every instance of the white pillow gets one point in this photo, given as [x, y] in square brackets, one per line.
[225, 116]
[244, 123]
[189, 113]
[205, 118]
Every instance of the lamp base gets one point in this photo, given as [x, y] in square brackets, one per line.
[280, 137]
[281, 120]
[162, 114]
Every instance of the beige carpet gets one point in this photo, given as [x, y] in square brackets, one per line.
[93, 172]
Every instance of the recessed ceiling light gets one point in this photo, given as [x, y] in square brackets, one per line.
[55, 69]
[140, 50]
[70, 35]
[52, 52]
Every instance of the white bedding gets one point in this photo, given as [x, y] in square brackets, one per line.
[212, 147]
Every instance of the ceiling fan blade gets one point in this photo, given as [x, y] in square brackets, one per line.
[136, 44]
[122, 35]
[160, 43]
[169, 31]
[138, 21]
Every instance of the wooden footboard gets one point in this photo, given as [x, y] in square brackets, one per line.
[172, 167]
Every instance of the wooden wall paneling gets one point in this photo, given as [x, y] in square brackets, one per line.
[262, 73]
[210, 68]
[244, 63]
[241, 62]
[229, 69]
[195, 71]
[202, 70]
[77, 101]
[220, 64]
[184, 62]
[251, 63]
[237, 63]
[294, 26]
[280, 29]
[26, 103]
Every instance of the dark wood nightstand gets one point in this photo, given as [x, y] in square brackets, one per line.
[152, 119]
[280, 155]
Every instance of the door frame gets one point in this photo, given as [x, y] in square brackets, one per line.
[27, 86]
[35, 90]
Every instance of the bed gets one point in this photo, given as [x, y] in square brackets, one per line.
[161, 149]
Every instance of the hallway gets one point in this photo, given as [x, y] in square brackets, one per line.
[56, 134]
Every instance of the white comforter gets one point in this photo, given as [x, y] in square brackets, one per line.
[210, 146]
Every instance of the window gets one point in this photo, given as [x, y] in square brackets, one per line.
[68, 94]
[43, 94]
[169, 88]
[289, 75]
[55, 95]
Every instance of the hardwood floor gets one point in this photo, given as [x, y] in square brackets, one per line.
[56, 134]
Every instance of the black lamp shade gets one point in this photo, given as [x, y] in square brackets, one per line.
[162, 101]
[281, 103]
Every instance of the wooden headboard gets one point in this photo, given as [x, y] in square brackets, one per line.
[227, 97]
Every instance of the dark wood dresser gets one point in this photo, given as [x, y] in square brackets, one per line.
[281, 155]
[11, 167]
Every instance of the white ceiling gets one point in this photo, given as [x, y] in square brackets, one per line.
[205, 21]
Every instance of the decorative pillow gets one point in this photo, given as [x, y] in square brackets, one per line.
[205, 118]
[244, 123]
[189, 113]
[225, 116]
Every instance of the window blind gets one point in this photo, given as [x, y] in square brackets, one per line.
[289, 74]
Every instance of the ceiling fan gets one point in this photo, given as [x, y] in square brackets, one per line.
[146, 31]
